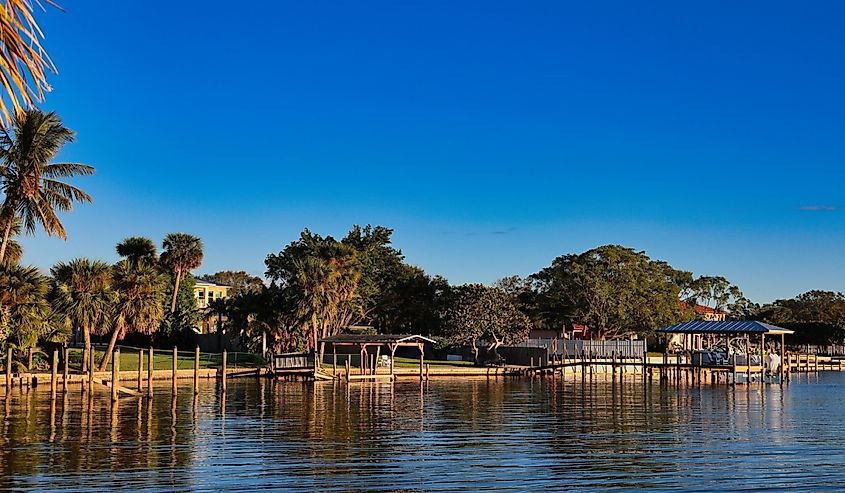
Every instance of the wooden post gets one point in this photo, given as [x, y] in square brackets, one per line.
[54, 374]
[29, 360]
[65, 370]
[197, 370]
[8, 370]
[762, 358]
[175, 367]
[422, 358]
[334, 360]
[140, 369]
[151, 363]
[378, 357]
[747, 361]
[223, 372]
[115, 373]
[392, 357]
[782, 357]
[348, 369]
[91, 354]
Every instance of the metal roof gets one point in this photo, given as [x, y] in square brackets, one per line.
[376, 339]
[724, 327]
[205, 282]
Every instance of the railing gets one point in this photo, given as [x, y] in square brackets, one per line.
[829, 349]
[622, 348]
[293, 361]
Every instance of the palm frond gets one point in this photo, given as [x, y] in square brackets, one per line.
[24, 63]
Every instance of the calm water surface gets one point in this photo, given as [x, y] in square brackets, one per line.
[446, 435]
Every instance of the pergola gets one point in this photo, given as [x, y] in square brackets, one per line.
[366, 342]
[694, 331]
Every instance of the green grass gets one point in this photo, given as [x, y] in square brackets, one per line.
[163, 359]
[400, 362]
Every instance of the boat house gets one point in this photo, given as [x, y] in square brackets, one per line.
[739, 344]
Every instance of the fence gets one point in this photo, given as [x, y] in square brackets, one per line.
[129, 361]
[568, 348]
[828, 350]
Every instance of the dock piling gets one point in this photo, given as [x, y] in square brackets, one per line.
[223, 372]
[115, 374]
[175, 366]
[150, 372]
[9, 370]
[54, 374]
[140, 369]
[197, 370]
[65, 370]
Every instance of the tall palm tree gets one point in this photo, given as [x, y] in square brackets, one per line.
[14, 252]
[23, 62]
[327, 291]
[85, 295]
[137, 250]
[182, 253]
[30, 183]
[140, 301]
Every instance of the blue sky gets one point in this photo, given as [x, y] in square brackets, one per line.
[493, 136]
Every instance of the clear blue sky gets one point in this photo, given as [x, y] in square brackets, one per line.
[493, 136]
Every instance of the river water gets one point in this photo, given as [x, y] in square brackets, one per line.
[445, 435]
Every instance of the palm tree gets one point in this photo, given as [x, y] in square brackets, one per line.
[14, 252]
[25, 64]
[182, 253]
[30, 182]
[84, 294]
[327, 291]
[24, 310]
[137, 250]
[140, 301]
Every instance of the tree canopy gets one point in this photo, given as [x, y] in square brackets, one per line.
[240, 281]
[616, 291]
[476, 313]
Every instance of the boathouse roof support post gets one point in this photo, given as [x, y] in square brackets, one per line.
[762, 358]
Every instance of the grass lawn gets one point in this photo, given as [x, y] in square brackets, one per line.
[400, 362]
[163, 359]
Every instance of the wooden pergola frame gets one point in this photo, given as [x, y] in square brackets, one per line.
[364, 342]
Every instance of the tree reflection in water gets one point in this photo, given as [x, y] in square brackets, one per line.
[439, 435]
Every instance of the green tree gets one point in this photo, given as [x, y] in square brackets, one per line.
[239, 281]
[720, 294]
[26, 316]
[476, 313]
[138, 250]
[614, 290]
[817, 317]
[182, 253]
[31, 184]
[320, 278]
[411, 304]
[84, 294]
[187, 316]
[139, 304]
